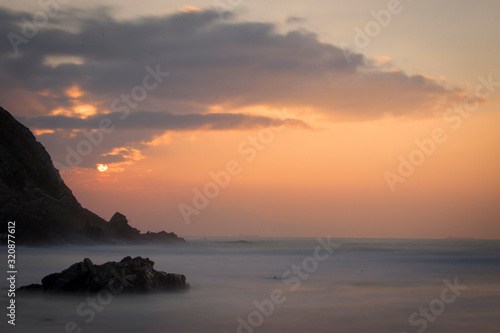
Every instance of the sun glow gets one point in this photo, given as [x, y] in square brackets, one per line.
[74, 92]
[85, 110]
[102, 167]
[55, 61]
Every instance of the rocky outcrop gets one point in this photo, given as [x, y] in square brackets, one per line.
[33, 194]
[119, 230]
[130, 275]
[160, 237]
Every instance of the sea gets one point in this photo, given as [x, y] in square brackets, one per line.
[292, 285]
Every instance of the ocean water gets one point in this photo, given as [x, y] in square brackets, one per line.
[279, 285]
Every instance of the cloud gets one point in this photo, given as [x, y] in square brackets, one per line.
[126, 137]
[188, 9]
[230, 64]
[163, 121]
[68, 77]
[294, 20]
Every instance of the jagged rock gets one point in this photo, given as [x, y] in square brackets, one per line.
[162, 236]
[33, 194]
[119, 228]
[128, 275]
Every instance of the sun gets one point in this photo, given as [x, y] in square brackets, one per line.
[102, 167]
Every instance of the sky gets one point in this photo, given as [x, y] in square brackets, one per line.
[360, 118]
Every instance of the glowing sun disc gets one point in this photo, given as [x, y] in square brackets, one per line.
[102, 167]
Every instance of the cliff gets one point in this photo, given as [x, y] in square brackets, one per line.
[33, 194]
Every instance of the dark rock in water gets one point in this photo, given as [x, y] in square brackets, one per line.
[33, 194]
[32, 287]
[128, 275]
[119, 230]
[242, 242]
[160, 237]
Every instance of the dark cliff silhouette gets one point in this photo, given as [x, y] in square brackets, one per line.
[33, 194]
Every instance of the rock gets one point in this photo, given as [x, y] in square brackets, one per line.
[162, 236]
[33, 194]
[119, 230]
[129, 276]
[32, 287]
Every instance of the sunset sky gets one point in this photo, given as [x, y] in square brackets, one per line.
[360, 118]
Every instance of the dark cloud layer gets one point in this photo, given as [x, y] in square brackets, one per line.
[227, 64]
[294, 19]
[161, 121]
[211, 62]
[133, 132]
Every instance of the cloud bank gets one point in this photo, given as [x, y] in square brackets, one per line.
[72, 71]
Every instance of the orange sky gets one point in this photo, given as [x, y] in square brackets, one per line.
[308, 183]
[400, 140]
